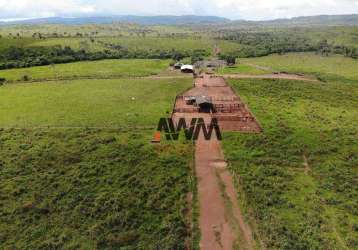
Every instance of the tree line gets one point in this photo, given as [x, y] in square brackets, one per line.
[17, 57]
[257, 44]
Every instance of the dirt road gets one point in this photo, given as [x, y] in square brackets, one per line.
[221, 222]
[216, 232]
[271, 76]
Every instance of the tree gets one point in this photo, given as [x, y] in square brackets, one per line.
[323, 47]
[196, 58]
[2, 81]
[177, 56]
[231, 60]
[26, 78]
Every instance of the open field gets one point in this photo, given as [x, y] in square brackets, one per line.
[298, 178]
[54, 44]
[75, 43]
[242, 69]
[9, 42]
[78, 171]
[93, 189]
[332, 68]
[336, 35]
[91, 69]
[188, 44]
[89, 103]
[98, 30]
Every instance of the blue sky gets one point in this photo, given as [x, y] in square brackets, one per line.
[234, 9]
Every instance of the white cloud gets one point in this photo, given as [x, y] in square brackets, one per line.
[43, 8]
[236, 9]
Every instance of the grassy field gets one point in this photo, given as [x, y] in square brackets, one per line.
[132, 43]
[10, 42]
[298, 178]
[92, 188]
[242, 69]
[95, 30]
[332, 68]
[93, 37]
[336, 35]
[88, 69]
[77, 170]
[93, 103]
[75, 43]
[153, 43]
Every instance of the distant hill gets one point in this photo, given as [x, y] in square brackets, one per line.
[143, 20]
[325, 20]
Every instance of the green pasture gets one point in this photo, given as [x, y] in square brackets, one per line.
[88, 69]
[331, 68]
[340, 35]
[161, 43]
[297, 179]
[240, 68]
[93, 189]
[76, 43]
[63, 30]
[78, 171]
[5, 42]
[89, 103]
[132, 43]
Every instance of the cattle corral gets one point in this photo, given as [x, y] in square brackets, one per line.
[231, 113]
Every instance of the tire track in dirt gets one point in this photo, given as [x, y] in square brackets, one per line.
[216, 232]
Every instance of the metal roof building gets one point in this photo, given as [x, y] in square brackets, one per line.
[205, 104]
[187, 68]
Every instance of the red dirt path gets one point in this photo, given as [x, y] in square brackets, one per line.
[221, 222]
[282, 76]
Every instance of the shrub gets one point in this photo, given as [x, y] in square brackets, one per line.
[230, 59]
[26, 78]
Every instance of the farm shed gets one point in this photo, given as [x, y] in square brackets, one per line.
[187, 69]
[205, 104]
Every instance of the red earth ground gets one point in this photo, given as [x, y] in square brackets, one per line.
[221, 222]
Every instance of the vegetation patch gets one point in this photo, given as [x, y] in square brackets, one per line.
[92, 189]
[303, 124]
[89, 103]
[240, 68]
[329, 68]
[97, 69]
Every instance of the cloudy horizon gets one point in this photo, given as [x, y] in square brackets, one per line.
[233, 9]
